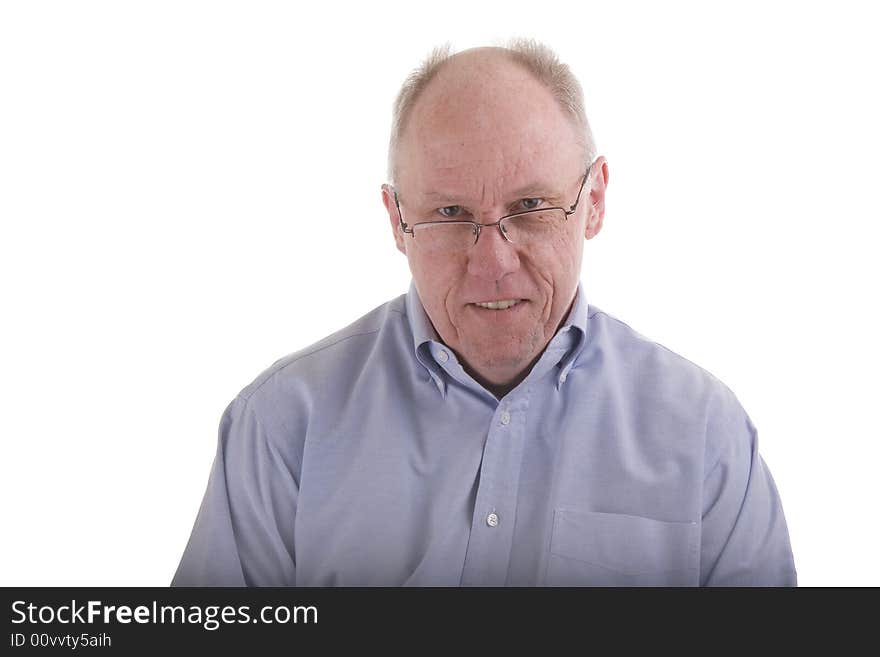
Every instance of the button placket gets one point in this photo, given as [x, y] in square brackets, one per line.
[488, 556]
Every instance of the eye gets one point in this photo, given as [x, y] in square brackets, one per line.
[450, 211]
[530, 203]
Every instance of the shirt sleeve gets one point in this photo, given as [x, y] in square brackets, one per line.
[745, 538]
[243, 534]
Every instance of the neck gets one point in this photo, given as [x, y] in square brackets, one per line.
[499, 390]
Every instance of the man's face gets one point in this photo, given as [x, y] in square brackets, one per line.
[485, 140]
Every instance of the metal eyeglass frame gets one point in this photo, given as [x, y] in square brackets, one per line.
[478, 227]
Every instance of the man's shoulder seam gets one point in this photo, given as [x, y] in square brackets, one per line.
[297, 357]
[645, 338]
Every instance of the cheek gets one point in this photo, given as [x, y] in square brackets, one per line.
[427, 271]
[556, 260]
[435, 281]
[558, 265]
[568, 248]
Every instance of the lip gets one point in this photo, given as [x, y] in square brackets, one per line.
[512, 296]
[499, 315]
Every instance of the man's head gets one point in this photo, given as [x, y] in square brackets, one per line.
[483, 134]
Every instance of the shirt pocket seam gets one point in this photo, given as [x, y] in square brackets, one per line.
[556, 551]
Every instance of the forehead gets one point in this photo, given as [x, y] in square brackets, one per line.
[491, 125]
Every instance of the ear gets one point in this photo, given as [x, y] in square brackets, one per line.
[393, 216]
[596, 209]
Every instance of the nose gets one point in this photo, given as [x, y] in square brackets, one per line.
[492, 257]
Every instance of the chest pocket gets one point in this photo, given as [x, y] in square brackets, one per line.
[589, 548]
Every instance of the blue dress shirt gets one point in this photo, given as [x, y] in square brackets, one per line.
[373, 459]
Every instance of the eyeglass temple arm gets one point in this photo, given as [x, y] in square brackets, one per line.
[578, 199]
[403, 225]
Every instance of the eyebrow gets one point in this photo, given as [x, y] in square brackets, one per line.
[531, 190]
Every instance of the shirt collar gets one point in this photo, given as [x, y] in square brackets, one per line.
[564, 348]
[572, 335]
[424, 336]
[422, 329]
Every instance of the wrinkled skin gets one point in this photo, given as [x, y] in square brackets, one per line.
[486, 139]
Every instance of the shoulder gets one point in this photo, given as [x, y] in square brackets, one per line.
[659, 377]
[629, 349]
[295, 383]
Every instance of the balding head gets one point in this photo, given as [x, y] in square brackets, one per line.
[481, 73]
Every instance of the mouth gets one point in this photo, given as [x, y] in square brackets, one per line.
[499, 308]
[501, 304]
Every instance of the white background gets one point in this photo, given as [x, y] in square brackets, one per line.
[191, 190]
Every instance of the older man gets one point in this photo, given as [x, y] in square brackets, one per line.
[489, 427]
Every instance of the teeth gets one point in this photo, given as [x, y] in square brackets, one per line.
[499, 305]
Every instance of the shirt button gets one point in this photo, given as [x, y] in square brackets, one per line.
[492, 520]
[562, 377]
[505, 418]
[443, 356]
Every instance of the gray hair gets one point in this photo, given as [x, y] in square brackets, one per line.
[535, 57]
